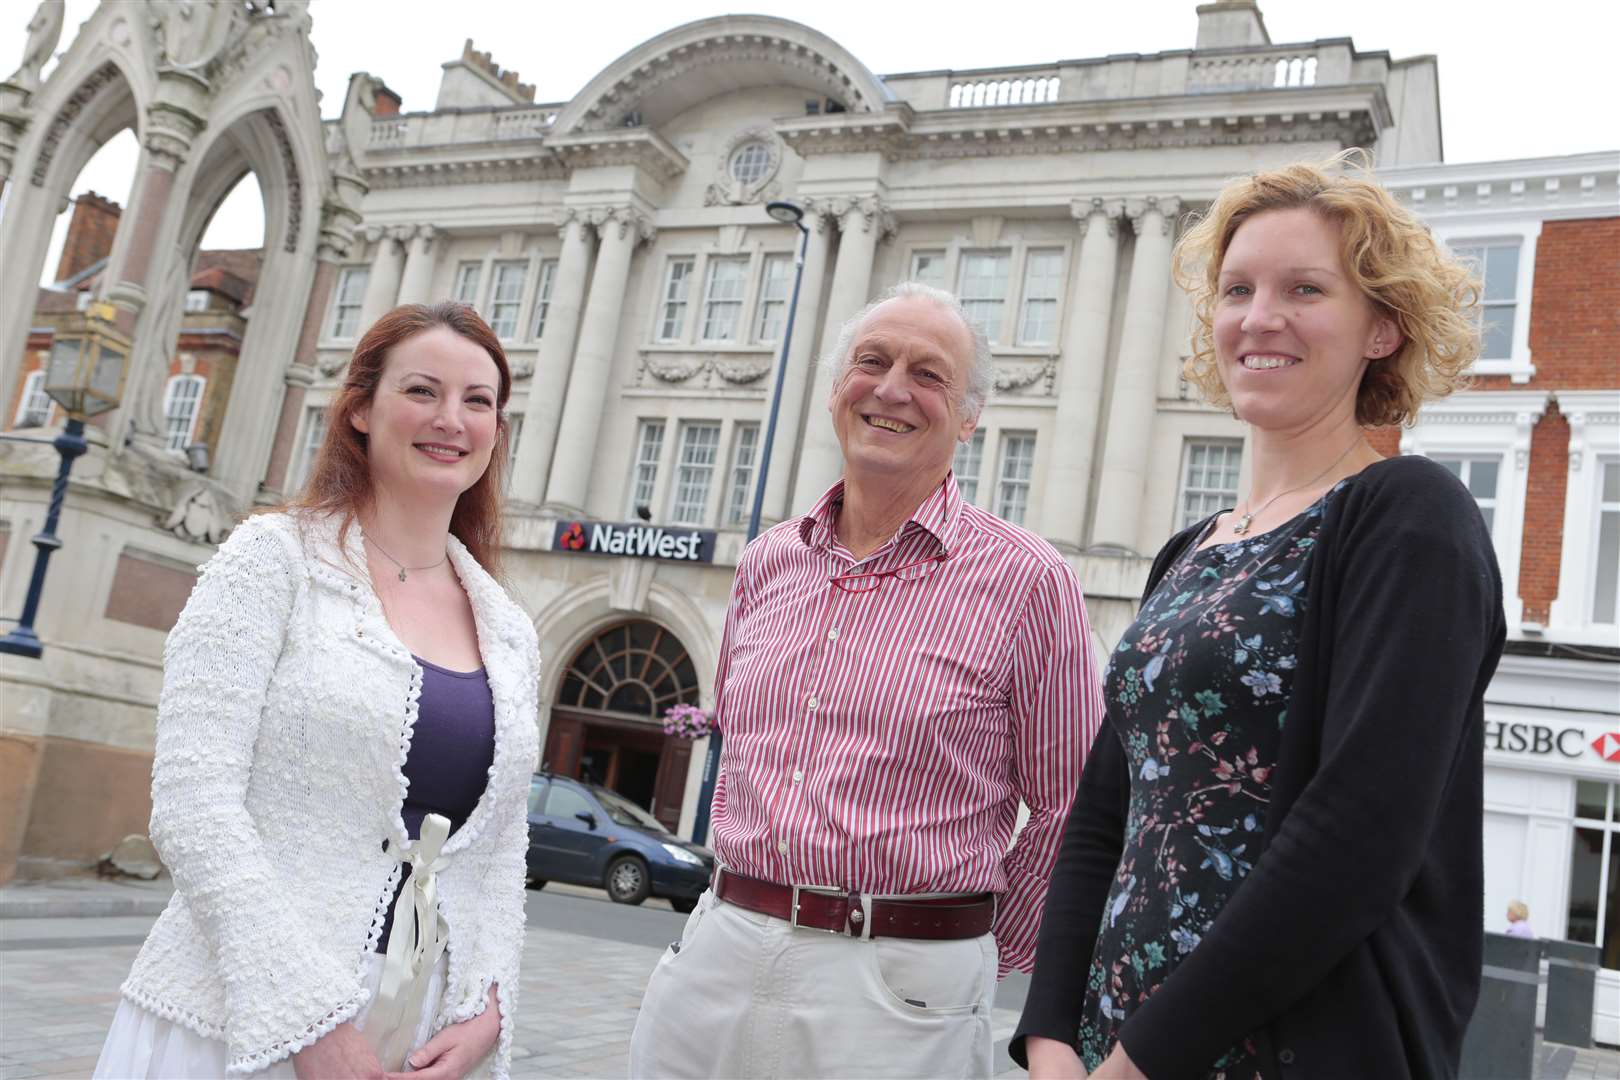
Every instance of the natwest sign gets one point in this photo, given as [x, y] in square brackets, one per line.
[634, 541]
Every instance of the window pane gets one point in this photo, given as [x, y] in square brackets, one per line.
[928, 267]
[1591, 800]
[1482, 478]
[1501, 272]
[1209, 481]
[1604, 594]
[965, 466]
[36, 404]
[542, 298]
[351, 288]
[700, 448]
[1586, 858]
[506, 296]
[1043, 275]
[749, 162]
[314, 435]
[563, 801]
[1496, 333]
[984, 289]
[1454, 464]
[1611, 914]
[1611, 482]
[745, 444]
[775, 282]
[467, 275]
[180, 409]
[722, 298]
[1017, 465]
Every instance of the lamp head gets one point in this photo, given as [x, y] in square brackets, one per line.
[785, 212]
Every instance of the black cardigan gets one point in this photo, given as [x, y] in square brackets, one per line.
[1353, 948]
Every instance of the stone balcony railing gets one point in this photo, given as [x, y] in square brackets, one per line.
[461, 127]
[1322, 63]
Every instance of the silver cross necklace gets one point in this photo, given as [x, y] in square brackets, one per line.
[403, 569]
[1243, 523]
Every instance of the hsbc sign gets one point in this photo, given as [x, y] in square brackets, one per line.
[634, 541]
[1543, 741]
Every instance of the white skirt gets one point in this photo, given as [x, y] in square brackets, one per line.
[142, 1046]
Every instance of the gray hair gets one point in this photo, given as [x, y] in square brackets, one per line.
[980, 376]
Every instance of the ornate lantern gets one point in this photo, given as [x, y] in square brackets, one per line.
[85, 374]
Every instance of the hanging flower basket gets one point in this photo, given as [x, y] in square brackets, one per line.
[687, 722]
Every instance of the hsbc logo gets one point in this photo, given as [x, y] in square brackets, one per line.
[1608, 746]
[1539, 740]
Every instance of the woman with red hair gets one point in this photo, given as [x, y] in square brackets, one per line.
[344, 744]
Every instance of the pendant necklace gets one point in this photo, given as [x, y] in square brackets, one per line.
[403, 569]
[1243, 523]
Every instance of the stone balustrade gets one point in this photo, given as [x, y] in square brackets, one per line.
[461, 127]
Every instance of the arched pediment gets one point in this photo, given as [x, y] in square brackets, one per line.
[671, 73]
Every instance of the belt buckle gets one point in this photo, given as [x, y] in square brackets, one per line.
[793, 909]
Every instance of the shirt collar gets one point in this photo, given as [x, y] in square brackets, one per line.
[939, 515]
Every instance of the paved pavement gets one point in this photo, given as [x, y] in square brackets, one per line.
[585, 963]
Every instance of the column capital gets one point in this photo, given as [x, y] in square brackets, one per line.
[426, 234]
[338, 227]
[632, 224]
[1166, 206]
[1106, 212]
[868, 213]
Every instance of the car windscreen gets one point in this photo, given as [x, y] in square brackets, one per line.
[625, 812]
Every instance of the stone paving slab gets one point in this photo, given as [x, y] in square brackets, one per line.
[84, 897]
[579, 1001]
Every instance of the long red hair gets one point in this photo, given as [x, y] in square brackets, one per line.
[340, 482]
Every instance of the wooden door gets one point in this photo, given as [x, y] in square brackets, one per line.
[564, 742]
[670, 790]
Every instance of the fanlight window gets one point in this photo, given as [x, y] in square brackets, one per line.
[750, 162]
[637, 668]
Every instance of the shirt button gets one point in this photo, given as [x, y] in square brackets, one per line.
[1285, 1056]
[832, 635]
[781, 847]
[798, 775]
[811, 703]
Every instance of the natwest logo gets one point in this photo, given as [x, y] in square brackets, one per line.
[1608, 746]
[634, 541]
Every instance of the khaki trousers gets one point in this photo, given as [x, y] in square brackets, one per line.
[746, 995]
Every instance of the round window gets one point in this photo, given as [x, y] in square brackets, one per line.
[750, 162]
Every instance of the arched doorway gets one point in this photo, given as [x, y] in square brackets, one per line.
[607, 721]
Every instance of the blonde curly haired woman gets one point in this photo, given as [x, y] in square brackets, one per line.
[1273, 866]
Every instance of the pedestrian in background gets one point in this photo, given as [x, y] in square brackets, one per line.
[1273, 866]
[898, 669]
[344, 744]
[1518, 920]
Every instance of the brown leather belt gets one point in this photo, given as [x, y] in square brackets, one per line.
[947, 918]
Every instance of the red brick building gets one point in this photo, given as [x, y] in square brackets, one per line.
[1537, 440]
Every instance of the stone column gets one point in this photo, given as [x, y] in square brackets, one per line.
[862, 222]
[801, 366]
[549, 386]
[416, 282]
[387, 266]
[1131, 406]
[1085, 356]
[570, 476]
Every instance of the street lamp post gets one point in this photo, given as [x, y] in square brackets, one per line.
[788, 214]
[85, 375]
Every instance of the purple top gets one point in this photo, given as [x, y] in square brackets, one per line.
[1520, 929]
[452, 749]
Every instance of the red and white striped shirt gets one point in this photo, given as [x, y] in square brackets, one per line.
[881, 741]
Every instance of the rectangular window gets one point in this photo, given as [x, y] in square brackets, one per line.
[1497, 266]
[983, 289]
[677, 287]
[1209, 477]
[35, 407]
[928, 267]
[1017, 467]
[1478, 475]
[1593, 915]
[744, 451]
[723, 298]
[774, 285]
[468, 276]
[1043, 280]
[1606, 587]
[965, 466]
[310, 447]
[181, 400]
[196, 300]
[346, 300]
[542, 298]
[506, 297]
[514, 432]
[694, 474]
[649, 447]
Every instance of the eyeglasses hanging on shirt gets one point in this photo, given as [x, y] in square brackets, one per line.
[869, 582]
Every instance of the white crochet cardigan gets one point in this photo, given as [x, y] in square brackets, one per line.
[282, 730]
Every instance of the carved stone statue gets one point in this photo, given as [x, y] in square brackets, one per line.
[44, 31]
[199, 515]
[193, 31]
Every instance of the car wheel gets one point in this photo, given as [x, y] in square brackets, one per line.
[536, 883]
[683, 906]
[627, 880]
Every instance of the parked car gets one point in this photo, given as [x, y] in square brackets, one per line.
[584, 834]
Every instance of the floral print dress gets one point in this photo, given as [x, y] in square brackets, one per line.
[1197, 692]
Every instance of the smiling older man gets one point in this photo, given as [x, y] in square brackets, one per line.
[899, 670]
